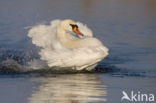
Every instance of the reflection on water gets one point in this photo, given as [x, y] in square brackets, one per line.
[76, 88]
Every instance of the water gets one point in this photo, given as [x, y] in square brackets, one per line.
[127, 28]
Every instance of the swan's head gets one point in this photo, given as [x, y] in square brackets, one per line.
[71, 26]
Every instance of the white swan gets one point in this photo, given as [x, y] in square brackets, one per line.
[61, 48]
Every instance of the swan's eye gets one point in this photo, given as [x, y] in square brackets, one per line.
[74, 26]
[75, 29]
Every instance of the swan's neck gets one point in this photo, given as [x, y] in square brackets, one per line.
[66, 39]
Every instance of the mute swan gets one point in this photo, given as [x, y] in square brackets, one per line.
[70, 26]
[59, 47]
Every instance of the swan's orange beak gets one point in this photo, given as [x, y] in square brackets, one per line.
[76, 30]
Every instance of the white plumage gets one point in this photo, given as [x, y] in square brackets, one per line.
[60, 47]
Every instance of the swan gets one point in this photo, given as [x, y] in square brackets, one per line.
[70, 26]
[66, 43]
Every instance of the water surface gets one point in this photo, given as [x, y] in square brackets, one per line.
[127, 28]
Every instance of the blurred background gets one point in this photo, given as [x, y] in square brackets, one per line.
[126, 27]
